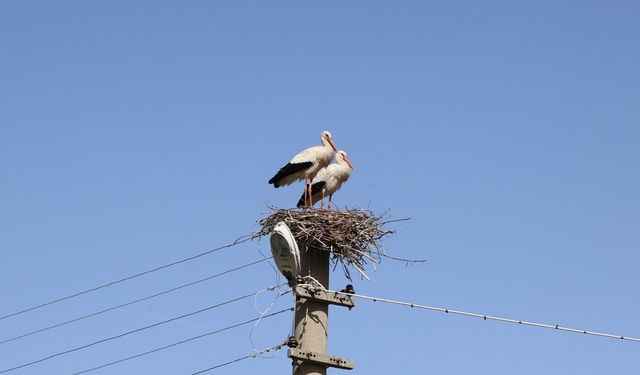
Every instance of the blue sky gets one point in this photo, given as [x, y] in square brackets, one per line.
[136, 133]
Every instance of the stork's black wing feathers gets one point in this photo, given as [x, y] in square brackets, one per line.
[288, 170]
[315, 188]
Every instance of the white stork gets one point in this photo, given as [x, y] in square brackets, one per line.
[306, 164]
[329, 180]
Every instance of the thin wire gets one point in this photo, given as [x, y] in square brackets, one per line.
[129, 332]
[263, 313]
[132, 302]
[274, 348]
[275, 269]
[496, 318]
[180, 342]
[240, 240]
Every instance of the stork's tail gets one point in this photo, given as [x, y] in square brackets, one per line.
[274, 182]
[301, 201]
[287, 171]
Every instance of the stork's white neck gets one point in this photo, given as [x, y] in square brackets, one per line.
[343, 169]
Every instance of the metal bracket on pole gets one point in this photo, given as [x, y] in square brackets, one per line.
[320, 359]
[337, 298]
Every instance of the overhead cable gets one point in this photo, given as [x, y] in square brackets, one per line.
[131, 302]
[180, 342]
[490, 317]
[127, 278]
[255, 354]
[131, 332]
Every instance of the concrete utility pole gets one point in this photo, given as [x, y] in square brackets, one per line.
[312, 317]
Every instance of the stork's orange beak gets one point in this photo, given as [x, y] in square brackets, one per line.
[348, 162]
[332, 145]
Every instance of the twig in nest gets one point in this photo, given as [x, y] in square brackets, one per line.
[405, 260]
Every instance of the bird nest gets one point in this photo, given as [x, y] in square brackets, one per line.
[352, 236]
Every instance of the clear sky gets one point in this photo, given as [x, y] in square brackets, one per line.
[136, 133]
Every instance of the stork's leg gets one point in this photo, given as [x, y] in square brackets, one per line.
[329, 204]
[307, 198]
[322, 201]
[310, 202]
[306, 190]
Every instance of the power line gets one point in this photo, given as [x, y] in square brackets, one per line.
[181, 342]
[496, 318]
[133, 331]
[132, 302]
[274, 348]
[236, 242]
